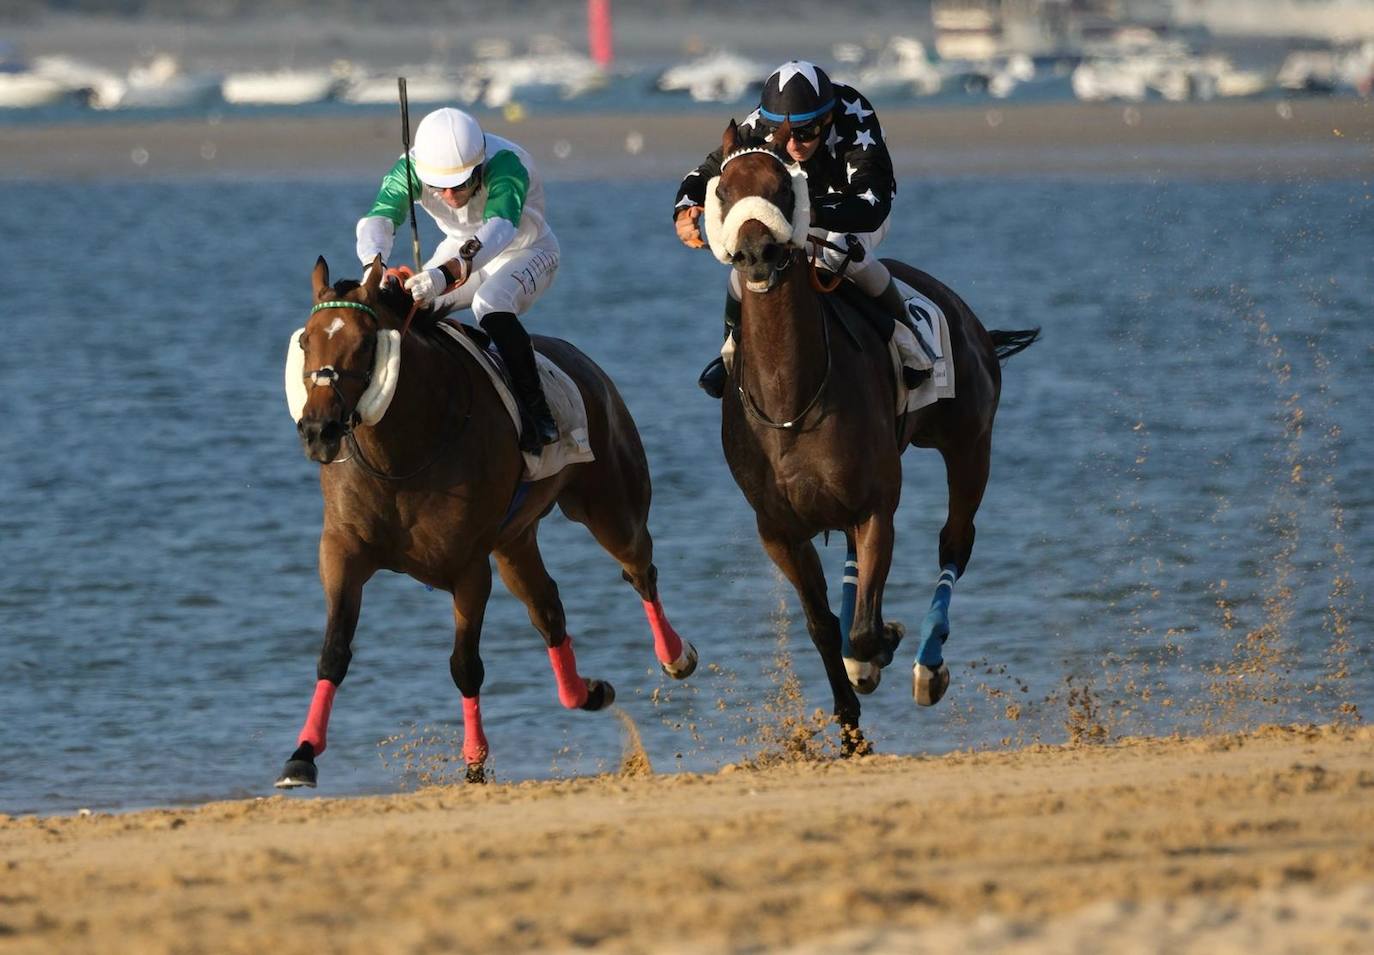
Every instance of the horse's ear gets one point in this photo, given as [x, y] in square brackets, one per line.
[778, 140]
[320, 277]
[374, 274]
[730, 141]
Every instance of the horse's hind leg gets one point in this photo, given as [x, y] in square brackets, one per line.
[799, 563]
[966, 471]
[470, 593]
[343, 572]
[522, 570]
[619, 522]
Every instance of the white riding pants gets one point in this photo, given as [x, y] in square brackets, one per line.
[511, 282]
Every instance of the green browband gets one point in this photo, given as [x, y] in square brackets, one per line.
[358, 305]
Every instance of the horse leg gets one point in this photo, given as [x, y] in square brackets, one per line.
[522, 570]
[620, 524]
[342, 573]
[864, 676]
[873, 643]
[966, 471]
[470, 594]
[799, 563]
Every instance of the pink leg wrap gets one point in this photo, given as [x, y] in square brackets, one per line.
[572, 689]
[316, 724]
[667, 644]
[474, 740]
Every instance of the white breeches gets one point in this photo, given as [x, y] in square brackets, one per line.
[870, 275]
[511, 282]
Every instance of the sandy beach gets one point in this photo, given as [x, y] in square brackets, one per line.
[1257, 843]
[1269, 139]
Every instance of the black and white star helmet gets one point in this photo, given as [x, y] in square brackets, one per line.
[798, 91]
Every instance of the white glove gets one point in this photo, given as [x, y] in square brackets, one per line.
[426, 286]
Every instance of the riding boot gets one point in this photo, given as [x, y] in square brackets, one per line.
[712, 378]
[537, 427]
[892, 302]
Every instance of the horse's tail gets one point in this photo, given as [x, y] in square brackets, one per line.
[1009, 343]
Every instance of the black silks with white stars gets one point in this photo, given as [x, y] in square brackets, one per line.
[850, 176]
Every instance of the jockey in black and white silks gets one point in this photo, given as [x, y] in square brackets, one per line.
[837, 141]
[498, 255]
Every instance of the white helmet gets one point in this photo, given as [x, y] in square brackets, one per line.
[449, 145]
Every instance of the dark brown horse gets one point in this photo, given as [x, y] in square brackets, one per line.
[813, 438]
[421, 475]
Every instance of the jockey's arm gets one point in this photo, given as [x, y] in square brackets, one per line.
[865, 202]
[376, 231]
[691, 200]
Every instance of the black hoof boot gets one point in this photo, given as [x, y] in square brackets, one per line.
[712, 379]
[600, 695]
[300, 769]
[477, 773]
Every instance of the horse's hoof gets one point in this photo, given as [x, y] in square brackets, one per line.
[477, 773]
[893, 632]
[864, 676]
[929, 685]
[685, 665]
[600, 695]
[298, 773]
[852, 743]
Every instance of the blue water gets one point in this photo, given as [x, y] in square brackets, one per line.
[1181, 468]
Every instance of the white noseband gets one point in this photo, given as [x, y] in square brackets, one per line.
[723, 231]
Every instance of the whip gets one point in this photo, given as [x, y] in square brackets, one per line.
[410, 180]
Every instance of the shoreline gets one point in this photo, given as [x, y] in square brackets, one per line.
[1258, 842]
[1257, 139]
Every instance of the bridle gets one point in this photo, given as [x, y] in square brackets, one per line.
[750, 406]
[329, 375]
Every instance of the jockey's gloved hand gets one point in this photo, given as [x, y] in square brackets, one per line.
[426, 286]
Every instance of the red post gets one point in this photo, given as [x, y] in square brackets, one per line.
[599, 31]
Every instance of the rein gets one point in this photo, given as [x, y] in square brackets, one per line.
[816, 282]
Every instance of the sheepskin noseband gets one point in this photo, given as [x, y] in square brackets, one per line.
[722, 230]
[372, 405]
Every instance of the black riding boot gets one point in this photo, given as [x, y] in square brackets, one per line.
[536, 427]
[712, 378]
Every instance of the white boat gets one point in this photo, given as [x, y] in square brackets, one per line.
[281, 87]
[568, 75]
[423, 85]
[901, 66]
[28, 90]
[159, 83]
[717, 77]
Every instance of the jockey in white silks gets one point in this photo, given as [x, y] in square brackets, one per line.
[498, 255]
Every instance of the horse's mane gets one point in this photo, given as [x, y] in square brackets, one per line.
[397, 305]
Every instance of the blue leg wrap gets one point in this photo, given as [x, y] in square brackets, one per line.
[848, 596]
[935, 626]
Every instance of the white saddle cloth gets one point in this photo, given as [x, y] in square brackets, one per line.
[927, 348]
[565, 401]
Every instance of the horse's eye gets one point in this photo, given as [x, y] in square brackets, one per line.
[720, 193]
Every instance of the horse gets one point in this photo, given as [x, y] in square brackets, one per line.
[812, 435]
[430, 486]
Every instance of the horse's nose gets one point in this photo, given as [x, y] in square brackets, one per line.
[320, 438]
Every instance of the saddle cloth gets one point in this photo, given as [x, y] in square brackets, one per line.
[565, 401]
[926, 349]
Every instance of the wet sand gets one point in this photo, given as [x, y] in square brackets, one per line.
[1270, 139]
[1244, 843]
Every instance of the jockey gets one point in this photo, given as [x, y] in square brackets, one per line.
[838, 142]
[498, 255]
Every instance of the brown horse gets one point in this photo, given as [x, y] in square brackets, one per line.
[813, 438]
[430, 486]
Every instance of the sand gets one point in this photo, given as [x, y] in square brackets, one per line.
[1257, 843]
[1265, 139]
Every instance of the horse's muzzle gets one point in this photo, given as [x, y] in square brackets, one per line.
[320, 439]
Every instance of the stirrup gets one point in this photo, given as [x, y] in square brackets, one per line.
[712, 378]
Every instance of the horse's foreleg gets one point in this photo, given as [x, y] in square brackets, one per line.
[342, 573]
[799, 563]
[522, 569]
[470, 593]
[871, 641]
[966, 471]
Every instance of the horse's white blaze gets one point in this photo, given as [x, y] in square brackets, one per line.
[334, 327]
